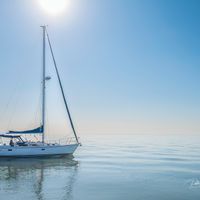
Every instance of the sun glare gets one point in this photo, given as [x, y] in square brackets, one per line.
[54, 6]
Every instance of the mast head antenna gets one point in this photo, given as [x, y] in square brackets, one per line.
[44, 26]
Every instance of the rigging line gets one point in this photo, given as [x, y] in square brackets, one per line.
[34, 121]
[16, 104]
[5, 111]
[66, 105]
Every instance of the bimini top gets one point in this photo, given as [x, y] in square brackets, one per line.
[9, 136]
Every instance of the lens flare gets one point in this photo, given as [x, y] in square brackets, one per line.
[54, 6]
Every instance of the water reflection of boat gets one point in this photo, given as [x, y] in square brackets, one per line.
[37, 163]
[40, 176]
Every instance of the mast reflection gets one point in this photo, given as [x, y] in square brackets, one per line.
[44, 178]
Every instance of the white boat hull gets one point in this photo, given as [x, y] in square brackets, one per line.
[37, 151]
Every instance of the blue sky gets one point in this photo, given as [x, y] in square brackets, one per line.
[128, 66]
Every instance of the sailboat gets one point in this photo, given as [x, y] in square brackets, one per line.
[20, 147]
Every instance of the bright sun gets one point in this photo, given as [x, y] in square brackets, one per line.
[54, 6]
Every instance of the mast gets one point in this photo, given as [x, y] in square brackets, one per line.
[43, 83]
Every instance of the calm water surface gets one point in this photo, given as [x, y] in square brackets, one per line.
[137, 167]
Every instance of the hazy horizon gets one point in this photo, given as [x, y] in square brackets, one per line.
[127, 66]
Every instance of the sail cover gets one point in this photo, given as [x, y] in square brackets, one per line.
[33, 131]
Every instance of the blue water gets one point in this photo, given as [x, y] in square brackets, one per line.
[117, 167]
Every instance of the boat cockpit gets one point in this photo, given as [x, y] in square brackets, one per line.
[16, 140]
